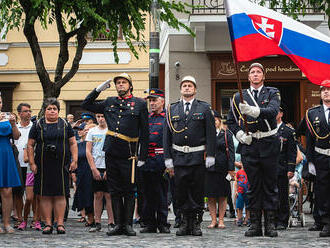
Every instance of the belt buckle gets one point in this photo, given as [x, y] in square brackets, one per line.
[258, 134]
[116, 134]
[186, 149]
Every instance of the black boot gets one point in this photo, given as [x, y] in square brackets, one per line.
[255, 229]
[184, 227]
[196, 225]
[117, 209]
[129, 204]
[325, 231]
[269, 224]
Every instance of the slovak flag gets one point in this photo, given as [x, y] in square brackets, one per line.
[257, 31]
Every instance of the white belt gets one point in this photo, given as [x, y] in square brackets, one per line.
[323, 151]
[260, 135]
[188, 149]
[159, 150]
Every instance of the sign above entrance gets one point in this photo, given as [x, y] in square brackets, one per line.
[277, 67]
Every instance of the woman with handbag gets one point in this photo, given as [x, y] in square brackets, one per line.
[9, 176]
[217, 185]
[52, 152]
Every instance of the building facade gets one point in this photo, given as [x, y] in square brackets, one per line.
[19, 81]
[207, 57]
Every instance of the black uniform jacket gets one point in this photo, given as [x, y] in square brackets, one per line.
[224, 152]
[193, 130]
[317, 135]
[269, 101]
[288, 150]
[125, 116]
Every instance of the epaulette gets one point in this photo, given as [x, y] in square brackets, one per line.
[313, 107]
[203, 102]
[175, 102]
[289, 126]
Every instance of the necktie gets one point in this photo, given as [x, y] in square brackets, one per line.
[255, 94]
[187, 108]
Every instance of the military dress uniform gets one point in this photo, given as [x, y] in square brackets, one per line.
[155, 184]
[287, 163]
[186, 139]
[318, 153]
[127, 120]
[260, 158]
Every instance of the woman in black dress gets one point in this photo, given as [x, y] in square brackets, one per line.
[84, 197]
[216, 185]
[52, 152]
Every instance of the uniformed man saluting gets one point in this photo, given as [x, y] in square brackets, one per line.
[188, 135]
[318, 153]
[259, 148]
[285, 170]
[128, 131]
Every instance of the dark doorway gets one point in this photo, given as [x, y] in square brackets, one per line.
[74, 107]
[290, 92]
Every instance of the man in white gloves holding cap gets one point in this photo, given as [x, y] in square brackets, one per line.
[125, 144]
[259, 147]
[189, 147]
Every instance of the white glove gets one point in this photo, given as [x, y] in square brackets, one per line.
[209, 161]
[244, 138]
[103, 86]
[311, 168]
[169, 163]
[140, 163]
[249, 110]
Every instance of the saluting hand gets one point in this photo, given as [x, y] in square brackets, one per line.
[103, 86]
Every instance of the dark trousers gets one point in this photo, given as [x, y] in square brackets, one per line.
[176, 210]
[283, 194]
[189, 183]
[119, 176]
[155, 198]
[262, 177]
[322, 188]
[140, 194]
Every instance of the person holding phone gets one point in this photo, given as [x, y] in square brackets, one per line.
[218, 177]
[9, 176]
[96, 159]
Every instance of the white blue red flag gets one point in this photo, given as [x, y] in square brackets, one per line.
[257, 31]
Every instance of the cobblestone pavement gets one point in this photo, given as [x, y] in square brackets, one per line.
[78, 236]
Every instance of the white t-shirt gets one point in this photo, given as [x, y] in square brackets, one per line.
[97, 137]
[22, 142]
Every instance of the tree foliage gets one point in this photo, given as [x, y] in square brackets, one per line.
[77, 18]
[298, 7]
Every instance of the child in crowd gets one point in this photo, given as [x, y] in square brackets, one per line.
[241, 188]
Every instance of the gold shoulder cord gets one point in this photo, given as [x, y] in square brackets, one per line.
[312, 129]
[170, 121]
[240, 115]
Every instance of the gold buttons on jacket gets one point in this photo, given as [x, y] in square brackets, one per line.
[186, 137]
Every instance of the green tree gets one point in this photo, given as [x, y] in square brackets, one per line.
[76, 18]
[295, 7]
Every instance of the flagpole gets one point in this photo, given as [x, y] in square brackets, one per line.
[239, 83]
[239, 86]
